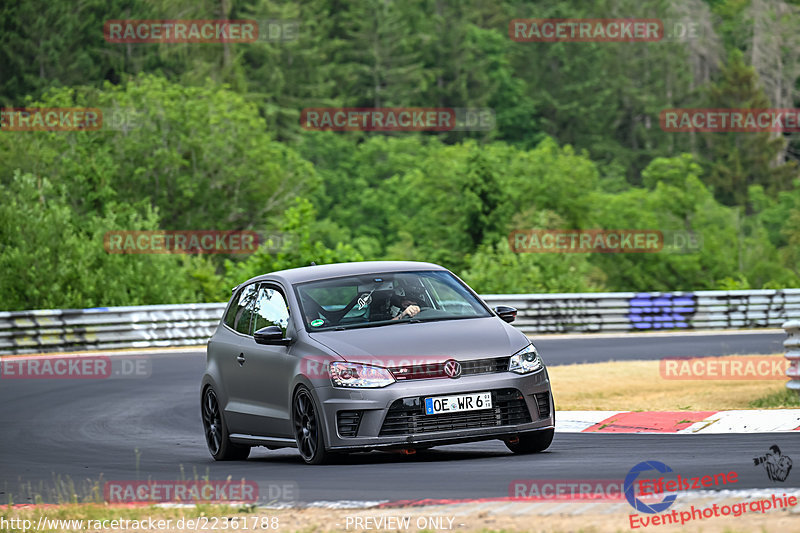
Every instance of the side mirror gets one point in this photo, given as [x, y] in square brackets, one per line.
[270, 335]
[509, 314]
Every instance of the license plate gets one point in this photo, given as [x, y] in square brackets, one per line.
[462, 402]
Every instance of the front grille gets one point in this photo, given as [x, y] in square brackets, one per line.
[348, 422]
[406, 416]
[543, 403]
[484, 366]
[436, 370]
[418, 371]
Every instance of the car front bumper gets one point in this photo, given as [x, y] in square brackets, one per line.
[374, 407]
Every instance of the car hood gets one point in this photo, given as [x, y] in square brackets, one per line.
[463, 339]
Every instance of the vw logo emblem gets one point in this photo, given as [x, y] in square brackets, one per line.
[452, 368]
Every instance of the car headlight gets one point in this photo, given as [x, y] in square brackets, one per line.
[357, 375]
[525, 361]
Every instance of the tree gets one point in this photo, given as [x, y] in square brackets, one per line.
[183, 151]
[299, 247]
[739, 160]
[53, 258]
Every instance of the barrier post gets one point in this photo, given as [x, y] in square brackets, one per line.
[792, 346]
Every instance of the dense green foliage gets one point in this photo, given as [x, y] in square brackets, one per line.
[214, 142]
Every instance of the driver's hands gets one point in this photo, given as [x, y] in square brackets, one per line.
[409, 311]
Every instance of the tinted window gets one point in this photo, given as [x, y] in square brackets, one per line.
[240, 311]
[230, 314]
[379, 299]
[270, 309]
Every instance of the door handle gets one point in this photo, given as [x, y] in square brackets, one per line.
[241, 359]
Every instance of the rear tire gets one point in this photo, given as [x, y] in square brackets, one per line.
[534, 442]
[216, 430]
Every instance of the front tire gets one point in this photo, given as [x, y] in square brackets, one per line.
[534, 442]
[308, 424]
[216, 430]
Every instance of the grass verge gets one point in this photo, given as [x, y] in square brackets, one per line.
[639, 386]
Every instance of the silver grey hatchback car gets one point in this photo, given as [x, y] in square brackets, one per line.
[368, 356]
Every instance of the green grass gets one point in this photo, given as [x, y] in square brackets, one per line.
[784, 399]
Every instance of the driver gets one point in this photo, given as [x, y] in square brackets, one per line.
[409, 304]
[409, 308]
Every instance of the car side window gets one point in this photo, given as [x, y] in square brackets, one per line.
[270, 309]
[241, 310]
[230, 314]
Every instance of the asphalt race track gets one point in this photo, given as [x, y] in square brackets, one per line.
[596, 348]
[62, 433]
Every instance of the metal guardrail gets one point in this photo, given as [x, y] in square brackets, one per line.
[792, 345]
[107, 327]
[641, 311]
[192, 324]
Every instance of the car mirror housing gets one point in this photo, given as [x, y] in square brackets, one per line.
[271, 335]
[506, 313]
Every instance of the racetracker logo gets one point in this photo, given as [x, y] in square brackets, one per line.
[378, 119]
[51, 119]
[175, 491]
[397, 119]
[74, 367]
[180, 242]
[567, 489]
[585, 30]
[730, 120]
[586, 241]
[727, 368]
[402, 368]
[181, 31]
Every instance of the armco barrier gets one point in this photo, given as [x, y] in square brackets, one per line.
[107, 327]
[192, 324]
[641, 311]
[792, 345]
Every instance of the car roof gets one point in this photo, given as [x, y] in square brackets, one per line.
[335, 270]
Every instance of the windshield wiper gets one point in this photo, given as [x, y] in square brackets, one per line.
[391, 322]
[440, 318]
[373, 324]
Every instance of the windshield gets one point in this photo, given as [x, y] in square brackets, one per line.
[385, 299]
